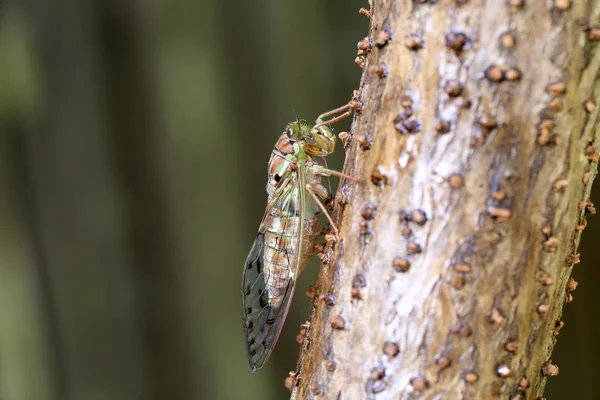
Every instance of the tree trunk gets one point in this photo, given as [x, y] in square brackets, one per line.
[457, 249]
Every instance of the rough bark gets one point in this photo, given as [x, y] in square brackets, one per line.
[457, 250]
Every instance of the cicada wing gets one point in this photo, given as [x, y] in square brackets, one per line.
[263, 320]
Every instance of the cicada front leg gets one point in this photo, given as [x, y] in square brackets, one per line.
[347, 112]
[353, 105]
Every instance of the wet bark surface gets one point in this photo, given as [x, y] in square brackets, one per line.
[477, 143]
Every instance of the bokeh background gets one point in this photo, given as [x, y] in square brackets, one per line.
[134, 137]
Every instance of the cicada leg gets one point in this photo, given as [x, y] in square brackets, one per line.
[313, 193]
[340, 117]
[352, 105]
[319, 169]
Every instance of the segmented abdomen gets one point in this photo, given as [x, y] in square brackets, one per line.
[281, 249]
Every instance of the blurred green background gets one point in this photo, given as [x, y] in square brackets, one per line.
[134, 137]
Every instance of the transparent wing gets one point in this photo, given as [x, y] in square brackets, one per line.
[263, 320]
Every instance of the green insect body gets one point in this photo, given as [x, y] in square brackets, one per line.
[288, 232]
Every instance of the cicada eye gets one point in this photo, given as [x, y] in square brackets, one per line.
[277, 178]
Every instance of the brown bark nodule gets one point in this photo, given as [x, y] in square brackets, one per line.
[484, 149]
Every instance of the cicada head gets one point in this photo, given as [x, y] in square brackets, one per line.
[319, 141]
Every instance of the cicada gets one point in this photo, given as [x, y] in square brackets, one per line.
[289, 229]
